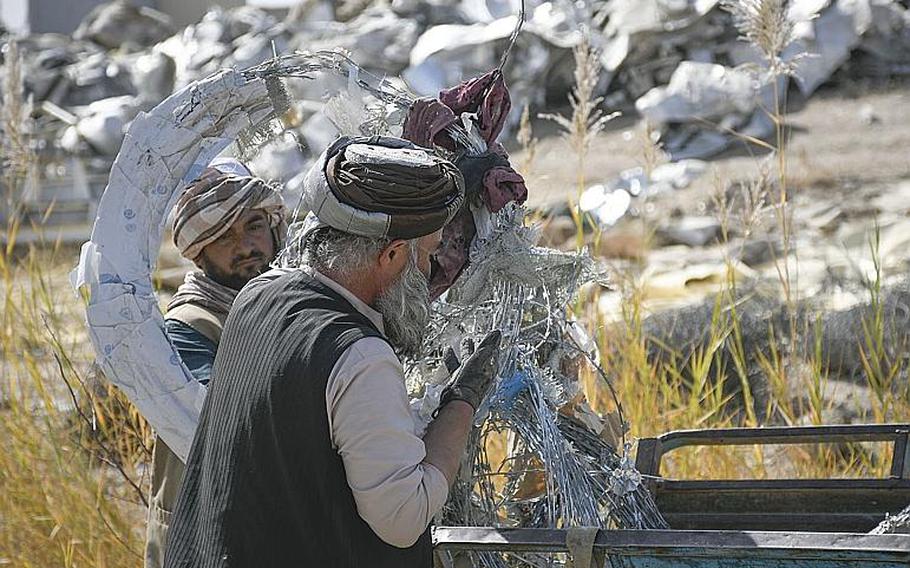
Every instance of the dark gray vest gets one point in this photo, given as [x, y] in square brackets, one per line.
[263, 486]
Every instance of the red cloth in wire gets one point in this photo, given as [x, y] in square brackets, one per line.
[426, 123]
[489, 177]
[486, 95]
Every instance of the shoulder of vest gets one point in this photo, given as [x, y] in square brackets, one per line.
[202, 320]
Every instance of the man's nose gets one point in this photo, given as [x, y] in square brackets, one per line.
[246, 244]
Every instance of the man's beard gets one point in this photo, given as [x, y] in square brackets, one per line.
[237, 278]
[405, 309]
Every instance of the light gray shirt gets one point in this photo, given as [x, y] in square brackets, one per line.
[397, 493]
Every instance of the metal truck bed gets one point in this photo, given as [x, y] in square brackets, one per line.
[818, 505]
[748, 523]
[690, 549]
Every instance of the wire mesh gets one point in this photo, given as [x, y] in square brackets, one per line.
[525, 291]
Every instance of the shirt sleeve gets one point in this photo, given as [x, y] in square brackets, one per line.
[196, 350]
[396, 492]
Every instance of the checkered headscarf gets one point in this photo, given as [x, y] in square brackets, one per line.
[212, 203]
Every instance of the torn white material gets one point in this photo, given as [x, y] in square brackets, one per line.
[699, 91]
[162, 151]
[606, 205]
[829, 39]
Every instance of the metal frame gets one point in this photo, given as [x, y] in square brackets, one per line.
[816, 504]
[652, 450]
[837, 505]
[634, 548]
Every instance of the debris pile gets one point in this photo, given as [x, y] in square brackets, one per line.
[678, 62]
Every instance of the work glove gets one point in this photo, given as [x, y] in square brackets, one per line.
[473, 378]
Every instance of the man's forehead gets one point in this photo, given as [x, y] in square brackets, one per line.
[253, 214]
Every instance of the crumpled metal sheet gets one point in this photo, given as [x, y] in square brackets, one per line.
[887, 40]
[379, 40]
[643, 45]
[699, 91]
[162, 151]
[114, 24]
[445, 54]
[829, 38]
[647, 38]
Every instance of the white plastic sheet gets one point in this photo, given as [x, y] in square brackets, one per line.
[162, 151]
[699, 91]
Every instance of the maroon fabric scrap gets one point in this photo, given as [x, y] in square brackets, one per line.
[426, 123]
[502, 185]
[451, 257]
[487, 96]
[491, 178]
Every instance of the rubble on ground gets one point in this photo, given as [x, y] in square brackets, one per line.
[607, 203]
[679, 63]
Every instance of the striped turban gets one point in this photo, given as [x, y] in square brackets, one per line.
[214, 202]
[382, 187]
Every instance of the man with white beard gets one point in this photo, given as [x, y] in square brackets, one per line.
[306, 453]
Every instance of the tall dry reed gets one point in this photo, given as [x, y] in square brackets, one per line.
[72, 461]
[713, 384]
[587, 120]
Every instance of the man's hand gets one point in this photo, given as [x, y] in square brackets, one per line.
[472, 380]
[447, 435]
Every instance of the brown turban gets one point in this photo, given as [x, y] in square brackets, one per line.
[383, 187]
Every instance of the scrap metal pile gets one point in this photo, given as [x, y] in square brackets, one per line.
[675, 60]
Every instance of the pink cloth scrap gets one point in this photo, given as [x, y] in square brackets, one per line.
[501, 185]
[487, 96]
[426, 123]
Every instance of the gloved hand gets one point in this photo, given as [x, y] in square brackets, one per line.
[473, 378]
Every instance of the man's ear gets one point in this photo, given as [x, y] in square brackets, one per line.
[394, 256]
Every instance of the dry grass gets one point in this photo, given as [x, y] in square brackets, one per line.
[587, 120]
[72, 464]
[528, 142]
[712, 383]
[71, 487]
[709, 385]
[17, 156]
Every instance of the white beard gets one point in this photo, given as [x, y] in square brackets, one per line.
[405, 308]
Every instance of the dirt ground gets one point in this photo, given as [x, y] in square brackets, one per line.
[848, 177]
[843, 133]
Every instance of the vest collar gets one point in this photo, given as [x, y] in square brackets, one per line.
[374, 316]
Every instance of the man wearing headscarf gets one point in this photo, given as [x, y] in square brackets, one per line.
[306, 452]
[231, 225]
